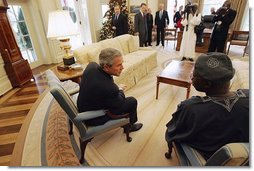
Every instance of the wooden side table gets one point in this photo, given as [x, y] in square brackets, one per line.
[177, 73]
[70, 74]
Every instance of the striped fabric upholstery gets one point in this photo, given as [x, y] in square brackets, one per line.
[233, 154]
[70, 86]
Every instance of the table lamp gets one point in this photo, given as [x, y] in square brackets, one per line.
[61, 26]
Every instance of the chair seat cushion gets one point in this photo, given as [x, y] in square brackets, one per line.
[92, 131]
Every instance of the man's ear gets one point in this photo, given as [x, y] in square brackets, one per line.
[106, 67]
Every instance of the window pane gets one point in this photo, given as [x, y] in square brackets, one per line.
[32, 55]
[18, 12]
[11, 15]
[21, 33]
[15, 27]
[28, 42]
[69, 5]
[25, 54]
[172, 7]
[23, 28]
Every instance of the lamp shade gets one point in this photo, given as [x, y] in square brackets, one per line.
[61, 25]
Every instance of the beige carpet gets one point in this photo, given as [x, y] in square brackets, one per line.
[48, 144]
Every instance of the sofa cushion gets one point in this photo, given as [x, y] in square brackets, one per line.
[81, 54]
[133, 44]
[93, 52]
[241, 77]
[124, 42]
[111, 43]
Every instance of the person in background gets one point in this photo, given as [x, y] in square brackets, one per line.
[103, 93]
[119, 22]
[178, 16]
[212, 10]
[161, 22]
[140, 25]
[208, 122]
[223, 18]
[190, 20]
[149, 20]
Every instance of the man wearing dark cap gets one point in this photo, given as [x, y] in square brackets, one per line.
[221, 117]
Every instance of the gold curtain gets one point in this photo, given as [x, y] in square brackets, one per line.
[239, 6]
[200, 5]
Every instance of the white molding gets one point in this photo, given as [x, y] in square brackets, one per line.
[5, 85]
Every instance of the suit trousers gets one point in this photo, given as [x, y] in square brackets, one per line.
[129, 106]
[217, 42]
[160, 36]
[149, 38]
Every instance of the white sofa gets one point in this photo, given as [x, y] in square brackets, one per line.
[241, 77]
[137, 61]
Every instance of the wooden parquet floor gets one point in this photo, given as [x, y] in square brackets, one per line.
[14, 106]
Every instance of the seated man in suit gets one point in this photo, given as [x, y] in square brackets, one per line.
[221, 117]
[98, 90]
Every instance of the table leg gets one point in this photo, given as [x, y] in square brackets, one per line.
[157, 89]
[188, 92]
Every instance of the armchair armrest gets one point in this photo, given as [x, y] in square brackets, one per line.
[73, 91]
[89, 115]
[194, 157]
[233, 154]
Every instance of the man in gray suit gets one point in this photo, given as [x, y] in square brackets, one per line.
[140, 25]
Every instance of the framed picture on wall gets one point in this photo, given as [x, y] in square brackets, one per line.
[134, 5]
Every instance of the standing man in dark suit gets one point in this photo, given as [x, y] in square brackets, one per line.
[161, 22]
[149, 21]
[119, 22]
[98, 90]
[222, 19]
[140, 25]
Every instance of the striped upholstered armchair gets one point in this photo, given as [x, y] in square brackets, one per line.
[86, 133]
[233, 154]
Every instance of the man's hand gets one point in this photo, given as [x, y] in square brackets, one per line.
[114, 28]
[122, 87]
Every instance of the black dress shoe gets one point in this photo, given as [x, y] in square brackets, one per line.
[183, 59]
[157, 44]
[136, 127]
[190, 59]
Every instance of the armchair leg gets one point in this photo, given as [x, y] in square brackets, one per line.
[168, 154]
[228, 49]
[83, 145]
[126, 130]
[71, 127]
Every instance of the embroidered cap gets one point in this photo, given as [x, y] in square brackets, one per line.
[214, 66]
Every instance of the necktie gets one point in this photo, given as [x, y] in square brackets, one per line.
[160, 14]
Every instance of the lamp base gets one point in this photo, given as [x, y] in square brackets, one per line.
[69, 61]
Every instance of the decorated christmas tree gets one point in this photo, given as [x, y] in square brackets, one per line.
[107, 32]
